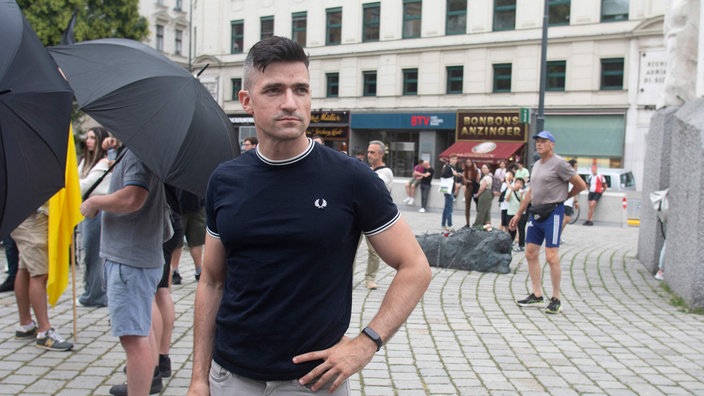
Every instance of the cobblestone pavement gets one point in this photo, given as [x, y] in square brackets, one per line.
[617, 335]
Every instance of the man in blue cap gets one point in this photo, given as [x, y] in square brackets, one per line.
[549, 181]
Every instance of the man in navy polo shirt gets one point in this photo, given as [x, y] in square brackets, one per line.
[283, 224]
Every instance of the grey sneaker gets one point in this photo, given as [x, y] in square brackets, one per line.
[22, 334]
[554, 307]
[53, 342]
[530, 300]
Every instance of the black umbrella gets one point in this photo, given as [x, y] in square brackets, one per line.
[35, 112]
[158, 109]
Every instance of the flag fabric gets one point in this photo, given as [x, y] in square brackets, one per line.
[64, 215]
[67, 36]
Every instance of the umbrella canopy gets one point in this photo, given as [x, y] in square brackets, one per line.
[159, 110]
[35, 112]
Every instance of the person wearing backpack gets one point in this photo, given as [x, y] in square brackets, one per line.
[503, 205]
[597, 185]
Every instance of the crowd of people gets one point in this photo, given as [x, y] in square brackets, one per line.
[287, 199]
[263, 222]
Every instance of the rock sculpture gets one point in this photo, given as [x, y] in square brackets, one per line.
[468, 249]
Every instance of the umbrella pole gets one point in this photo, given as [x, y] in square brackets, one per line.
[73, 287]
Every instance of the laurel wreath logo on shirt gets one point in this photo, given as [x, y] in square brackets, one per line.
[320, 203]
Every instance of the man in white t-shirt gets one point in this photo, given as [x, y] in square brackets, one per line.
[572, 203]
[375, 156]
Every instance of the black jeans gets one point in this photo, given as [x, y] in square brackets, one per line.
[12, 255]
[424, 191]
[521, 228]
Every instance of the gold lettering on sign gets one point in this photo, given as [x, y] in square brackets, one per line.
[496, 126]
[325, 117]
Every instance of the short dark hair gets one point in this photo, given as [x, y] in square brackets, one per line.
[252, 139]
[271, 50]
[572, 161]
[520, 179]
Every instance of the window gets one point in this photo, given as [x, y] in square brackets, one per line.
[159, 37]
[236, 87]
[369, 88]
[411, 18]
[370, 22]
[179, 5]
[558, 12]
[237, 37]
[456, 20]
[555, 79]
[502, 77]
[410, 82]
[333, 26]
[614, 10]
[298, 29]
[504, 15]
[178, 42]
[455, 75]
[612, 74]
[267, 27]
[332, 89]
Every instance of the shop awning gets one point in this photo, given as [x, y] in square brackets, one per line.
[487, 151]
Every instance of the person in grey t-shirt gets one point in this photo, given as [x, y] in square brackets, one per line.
[549, 182]
[131, 244]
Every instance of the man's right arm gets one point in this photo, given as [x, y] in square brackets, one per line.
[208, 297]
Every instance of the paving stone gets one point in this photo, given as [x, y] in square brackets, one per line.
[618, 334]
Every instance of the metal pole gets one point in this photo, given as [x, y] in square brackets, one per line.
[540, 122]
[190, 35]
[540, 118]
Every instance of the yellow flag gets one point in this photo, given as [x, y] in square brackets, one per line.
[64, 215]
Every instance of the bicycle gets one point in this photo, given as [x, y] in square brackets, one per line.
[575, 215]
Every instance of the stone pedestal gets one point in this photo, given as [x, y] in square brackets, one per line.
[656, 173]
[684, 260]
[675, 159]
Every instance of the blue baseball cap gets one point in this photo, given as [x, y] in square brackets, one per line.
[545, 135]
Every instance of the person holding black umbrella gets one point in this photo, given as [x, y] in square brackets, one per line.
[283, 224]
[131, 244]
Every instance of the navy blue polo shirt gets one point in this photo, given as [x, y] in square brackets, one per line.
[291, 230]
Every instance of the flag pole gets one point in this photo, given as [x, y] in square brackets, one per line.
[73, 288]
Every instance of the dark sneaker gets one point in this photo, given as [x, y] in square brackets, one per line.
[554, 307]
[8, 285]
[165, 366]
[530, 300]
[121, 390]
[176, 278]
[53, 342]
[23, 334]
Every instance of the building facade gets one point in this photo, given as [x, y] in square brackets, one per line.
[168, 27]
[423, 76]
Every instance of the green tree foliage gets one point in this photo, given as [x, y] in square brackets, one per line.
[96, 19]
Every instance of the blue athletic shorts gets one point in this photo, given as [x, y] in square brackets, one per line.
[130, 294]
[548, 230]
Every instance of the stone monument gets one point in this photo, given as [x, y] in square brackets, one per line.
[675, 159]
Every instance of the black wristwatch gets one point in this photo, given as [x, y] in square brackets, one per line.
[374, 336]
